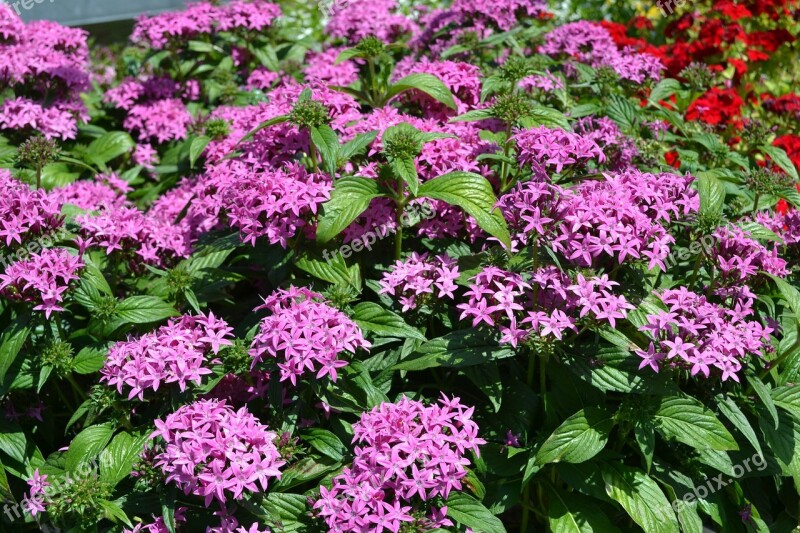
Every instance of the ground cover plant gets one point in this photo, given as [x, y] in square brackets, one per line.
[367, 266]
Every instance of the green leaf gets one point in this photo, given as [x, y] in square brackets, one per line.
[327, 142]
[372, 317]
[346, 55]
[283, 506]
[663, 90]
[474, 116]
[764, 394]
[357, 145]
[144, 310]
[266, 124]
[13, 442]
[728, 407]
[12, 339]
[324, 442]
[584, 110]
[788, 399]
[641, 497]
[712, 195]
[88, 444]
[457, 349]
[333, 270]
[645, 438]
[351, 196]
[113, 512]
[780, 158]
[406, 168]
[783, 442]
[759, 232]
[89, 360]
[789, 293]
[690, 422]
[117, 460]
[426, 83]
[473, 193]
[545, 116]
[571, 512]
[487, 378]
[622, 112]
[469, 512]
[579, 438]
[110, 146]
[196, 148]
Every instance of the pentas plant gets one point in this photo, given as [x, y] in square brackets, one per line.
[366, 266]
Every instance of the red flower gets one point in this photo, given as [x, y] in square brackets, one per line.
[739, 65]
[790, 143]
[786, 104]
[673, 159]
[769, 41]
[641, 23]
[717, 106]
[731, 10]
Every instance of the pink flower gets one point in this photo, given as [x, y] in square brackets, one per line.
[406, 453]
[175, 353]
[305, 334]
[43, 279]
[210, 450]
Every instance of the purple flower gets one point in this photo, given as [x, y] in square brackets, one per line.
[305, 334]
[704, 337]
[407, 453]
[210, 450]
[175, 353]
[419, 275]
[43, 279]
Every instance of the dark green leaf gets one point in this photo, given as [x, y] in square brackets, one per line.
[472, 193]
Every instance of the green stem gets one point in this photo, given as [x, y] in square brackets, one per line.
[312, 153]
[38, 177]
[398, 236]
[373, 81]
[76, 387]
[526, 509]
[755, 203]
[697, 263]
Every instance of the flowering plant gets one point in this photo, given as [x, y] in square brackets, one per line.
[466, 266]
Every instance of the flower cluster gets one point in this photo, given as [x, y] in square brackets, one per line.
[592, 44]
[356, 20]
[105, 191]
[704, 337]
[549, 304]
[544, 148]
[44, 70]
[408, 455]
[43, 279]
[174, 353]
[621, 217]
[305, 334]
[739, 257]
[210, 450]
[162, 120]
[203, 18]
[25, 214]
[421, 279]
[141, 237]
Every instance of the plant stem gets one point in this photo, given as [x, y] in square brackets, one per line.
[76, 387]
[373, 81]
[398, 236]
[312, 153]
